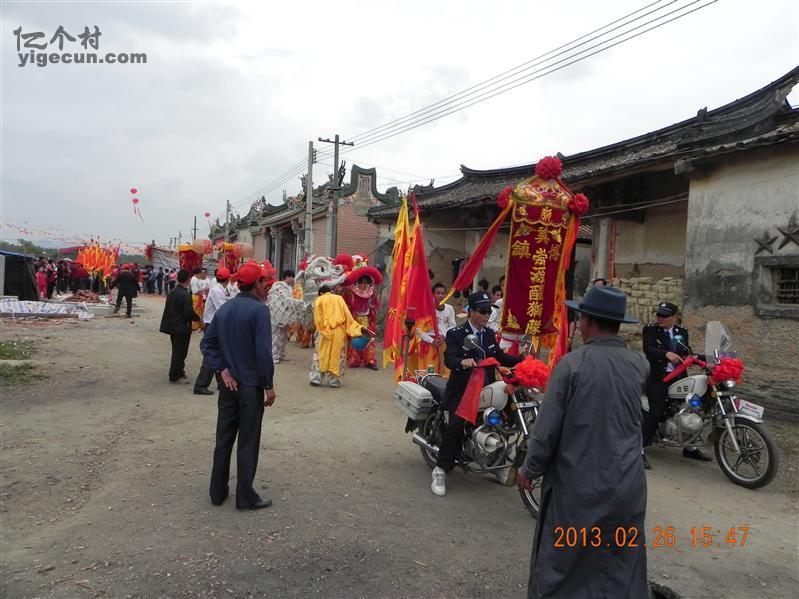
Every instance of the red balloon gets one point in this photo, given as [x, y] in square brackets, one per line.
[207, 214]
[135, 200]
[134, 190]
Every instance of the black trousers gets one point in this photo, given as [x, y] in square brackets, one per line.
[656, 392]
[160, 287]
[180, 349]
[206, 373]
[241, 413]
[128, 301]
[451, 442]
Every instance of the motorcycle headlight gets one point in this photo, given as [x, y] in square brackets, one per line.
[728, 384]
[492, 417]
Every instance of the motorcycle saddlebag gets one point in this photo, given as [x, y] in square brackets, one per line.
[415, 401]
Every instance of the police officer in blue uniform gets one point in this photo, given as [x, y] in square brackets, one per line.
[460, 361]
[665, 346]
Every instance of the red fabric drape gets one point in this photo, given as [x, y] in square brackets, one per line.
[470, 402]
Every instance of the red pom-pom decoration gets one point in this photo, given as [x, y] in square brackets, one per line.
[503, 199]
[578, 204]
[207, 214]
[549, 167]
[135, 200]
[133, 190]
[726, 369]
[532, 373]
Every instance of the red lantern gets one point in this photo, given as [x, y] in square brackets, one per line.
[135, 200]
[207, 214]
[133, 190]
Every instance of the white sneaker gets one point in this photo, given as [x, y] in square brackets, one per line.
[439, 485]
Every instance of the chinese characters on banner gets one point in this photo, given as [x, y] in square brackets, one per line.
[539, 230]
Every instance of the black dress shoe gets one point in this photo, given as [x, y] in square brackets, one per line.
[202, 391]
[695, 454]
[646, 462]
[258, 505]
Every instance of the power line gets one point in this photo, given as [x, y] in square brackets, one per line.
[537, 74]
[295, 169]
[514, 78]
[510, 72]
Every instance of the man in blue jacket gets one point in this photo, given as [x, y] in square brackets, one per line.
[238, 345]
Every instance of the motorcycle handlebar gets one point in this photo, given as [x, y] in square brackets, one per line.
[690, 360]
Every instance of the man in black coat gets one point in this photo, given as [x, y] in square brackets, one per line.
[585, 445]
[238, 345]
[126, 288]
[159, 280]
[176, 322]
[665, 345]
[460, 361]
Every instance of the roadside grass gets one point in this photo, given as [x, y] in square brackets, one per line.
[17, 374]
[16, 350]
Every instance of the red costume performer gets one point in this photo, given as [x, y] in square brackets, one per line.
[364, 304]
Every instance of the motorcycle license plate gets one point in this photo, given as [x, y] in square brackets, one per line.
[749, 408]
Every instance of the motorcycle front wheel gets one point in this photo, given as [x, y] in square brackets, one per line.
[531, 499]
[432, 430]
[757, 463]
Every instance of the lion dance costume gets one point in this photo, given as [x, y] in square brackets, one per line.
[364, 304]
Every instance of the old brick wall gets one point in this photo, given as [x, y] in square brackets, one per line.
[356, 235]
[319, 241]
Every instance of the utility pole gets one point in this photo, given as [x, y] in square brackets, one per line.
[332, 241]
[309, 201]
[227, 221]
[195, 228]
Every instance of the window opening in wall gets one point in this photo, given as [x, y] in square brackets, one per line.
[787, 286]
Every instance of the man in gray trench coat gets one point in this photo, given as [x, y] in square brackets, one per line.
[587, 445]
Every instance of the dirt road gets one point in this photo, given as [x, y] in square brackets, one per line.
[104, 491]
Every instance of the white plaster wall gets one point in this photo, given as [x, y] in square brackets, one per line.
[739, 200]
[660, 239]
[243, 236]
[259, 246]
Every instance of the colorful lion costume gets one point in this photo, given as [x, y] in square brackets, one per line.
[287, 310]
[364, 304]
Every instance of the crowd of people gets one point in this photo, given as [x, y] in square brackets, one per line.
[600, 381]
[66, 276]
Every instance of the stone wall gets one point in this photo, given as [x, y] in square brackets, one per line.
[645, 293]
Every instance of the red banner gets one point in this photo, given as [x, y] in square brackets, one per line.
[536, 252]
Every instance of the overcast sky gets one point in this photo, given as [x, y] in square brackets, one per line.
[232, 93]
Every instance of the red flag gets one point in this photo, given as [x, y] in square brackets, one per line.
[472, 267]
[420, 305]
[392, 339]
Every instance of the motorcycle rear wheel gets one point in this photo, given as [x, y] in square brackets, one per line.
[756, 444]
[432, 431]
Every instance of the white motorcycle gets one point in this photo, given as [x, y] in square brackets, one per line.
[744, 449]
[496, 444]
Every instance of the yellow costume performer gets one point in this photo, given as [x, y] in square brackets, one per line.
[333, 323]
